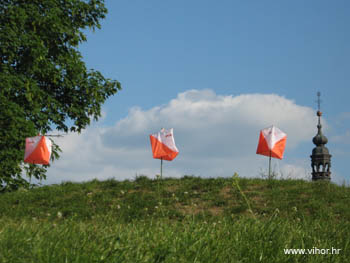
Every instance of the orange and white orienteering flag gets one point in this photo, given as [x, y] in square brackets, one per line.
[163, 145]
[272, 142]
[38, 150]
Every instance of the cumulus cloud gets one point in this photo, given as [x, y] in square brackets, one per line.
[215, 134]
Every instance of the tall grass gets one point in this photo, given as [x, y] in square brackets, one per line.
[179, 220]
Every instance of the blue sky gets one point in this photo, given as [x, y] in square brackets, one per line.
[217, 72]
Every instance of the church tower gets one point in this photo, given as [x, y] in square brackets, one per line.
[320, 158]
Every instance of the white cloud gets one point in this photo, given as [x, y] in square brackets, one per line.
[216, 136]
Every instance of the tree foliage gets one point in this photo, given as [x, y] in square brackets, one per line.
[44, 83]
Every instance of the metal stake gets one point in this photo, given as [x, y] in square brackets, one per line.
[270, 166]
[161, 168]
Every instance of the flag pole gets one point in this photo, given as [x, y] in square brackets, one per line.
[270, 166]
[161, 168]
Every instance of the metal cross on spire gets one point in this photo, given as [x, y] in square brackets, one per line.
[319, 113]
[319, 101]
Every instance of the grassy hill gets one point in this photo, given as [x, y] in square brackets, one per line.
[177, 220]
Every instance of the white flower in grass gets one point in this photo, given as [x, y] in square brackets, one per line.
[185, 193]
[118, 206]
[59, 214]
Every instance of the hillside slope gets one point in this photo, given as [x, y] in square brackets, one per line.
[176, 220]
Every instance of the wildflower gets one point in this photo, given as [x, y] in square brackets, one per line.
[122, 192]
[295, 208]
[118, 206]
[156, 207]
[59, 214]
[185, 193]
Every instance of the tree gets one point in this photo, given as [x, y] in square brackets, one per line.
[44, 84]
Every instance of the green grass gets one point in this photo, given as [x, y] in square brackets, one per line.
[175, 220]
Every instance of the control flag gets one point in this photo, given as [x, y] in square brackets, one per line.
[272, 142]
[38, 150]
[163, 145]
